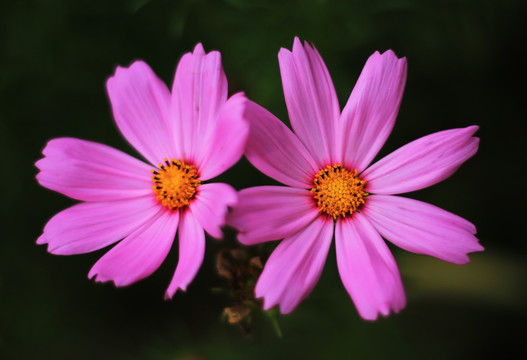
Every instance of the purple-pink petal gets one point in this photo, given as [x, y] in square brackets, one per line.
[90, 226]
[198, 92]
[211, 206]
[265, 213]
[227, 143]
[294, 267]
[89, 171]
[274, 150]
[423, 162]
[191, 252]
[422, 228]
[140, 253]
[311, 100]
[369, 116]
[367, 268]
[141, 108]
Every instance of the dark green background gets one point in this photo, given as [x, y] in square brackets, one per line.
[464, 67]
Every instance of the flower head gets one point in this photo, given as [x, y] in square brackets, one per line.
[188, 136]
[332, 190]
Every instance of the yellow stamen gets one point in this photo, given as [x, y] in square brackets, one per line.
[338, 191]
[175, 183]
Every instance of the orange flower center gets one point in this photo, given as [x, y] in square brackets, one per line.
[175, 183]
[338, 191]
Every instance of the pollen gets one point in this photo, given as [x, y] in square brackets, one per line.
[175, 183]
[338, 191]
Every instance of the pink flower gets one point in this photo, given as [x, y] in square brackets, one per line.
[188, 136]
[333, 190]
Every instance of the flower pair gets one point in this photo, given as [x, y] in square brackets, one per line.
[194, 133]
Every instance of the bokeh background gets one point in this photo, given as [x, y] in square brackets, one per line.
[465, 67]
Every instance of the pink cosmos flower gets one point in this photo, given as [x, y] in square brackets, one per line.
[188, 136]
[333, 190]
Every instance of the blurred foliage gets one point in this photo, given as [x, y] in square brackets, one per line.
[464, 68]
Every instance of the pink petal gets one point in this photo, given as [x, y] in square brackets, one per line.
[91, 226]
[295, 266]
[367, 268]
[274, 150]
[423, 162]
[90, 171]
[311, 100]
[211, 205]
[141, 103]
[368, 117]
[227, 143]
[266, 213]
[422, 228]
[140, 253]
[191, 252]
[198, 92]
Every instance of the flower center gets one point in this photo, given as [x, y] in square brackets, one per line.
[338, 191]
[175, 183]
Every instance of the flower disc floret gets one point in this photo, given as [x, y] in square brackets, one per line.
[338, 191]
[175, 183]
